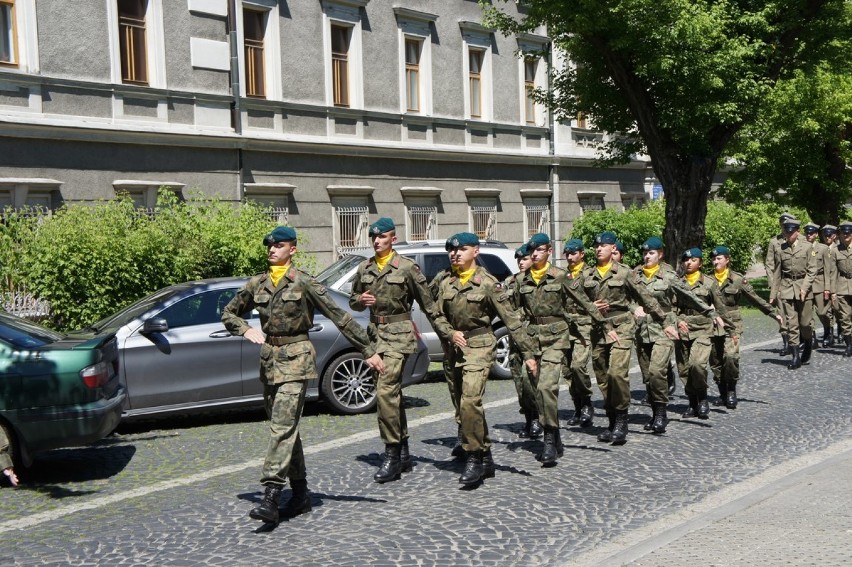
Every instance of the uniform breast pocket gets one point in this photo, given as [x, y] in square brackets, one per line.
[396, 279]
[292, 303]
[552, 288]
[368, 279]
[262, 299]
[616, 283]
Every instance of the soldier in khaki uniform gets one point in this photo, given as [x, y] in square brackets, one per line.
[579, 378]
[842, 286]
[544, 291]
[6, 459]
[795, 270]
[822, 283]
[286, 300]
[774, 245]
[388, 284]
[613, 287]
[470, 299]
[828, 236]
[725, 356]
[523, 384]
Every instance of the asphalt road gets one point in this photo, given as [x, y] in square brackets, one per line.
[177, 492]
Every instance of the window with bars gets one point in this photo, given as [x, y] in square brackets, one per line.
[277, 206]
[628, 201]
[340, 64]
[132, 41]
[536, 218]
[422, 222]
[351, 229]
[476, 58]
[530, 66]
[412, 74]
[254, 29]
[8, 43]
[483, 221]
[592, 203]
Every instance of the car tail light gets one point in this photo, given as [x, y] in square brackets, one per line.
[98, 375]
[416, 330]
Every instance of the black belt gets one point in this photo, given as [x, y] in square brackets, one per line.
[281, 340]
[477, 332]
[545, 320]
[384, 319]
[793, 276]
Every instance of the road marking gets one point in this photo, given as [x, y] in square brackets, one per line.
[43, 517]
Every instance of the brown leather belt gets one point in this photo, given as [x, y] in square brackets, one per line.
[545, 320]
[385, 319]
[281, 340]
[477, 332]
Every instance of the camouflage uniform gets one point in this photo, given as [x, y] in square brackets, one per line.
[287, 359]
[446, 365]
[578, 376]
[523, 384]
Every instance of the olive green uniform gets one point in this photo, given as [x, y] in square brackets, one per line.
[470, 308]
[5, 457]
[287, 359]
[391, 332]
[842, 286]
[520, 375]
[795, 270]
[822, 283]
[446, 365]
[771, 260]
[580, 330]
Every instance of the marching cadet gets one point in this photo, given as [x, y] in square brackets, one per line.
[612, 287]
[523, 385]
[470, 299]
[286, 300]
[774, 244]
[794, 272]
[579, 379]
[388, 284]
[828, 235]
[842, 287]
[655, 344]
[725, 355]
[618, 254]
[822, 283]
[543, 290]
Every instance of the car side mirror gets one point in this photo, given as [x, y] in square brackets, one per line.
[155, 325]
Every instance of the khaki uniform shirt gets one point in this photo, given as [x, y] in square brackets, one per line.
[669, 291]
[735, 288]
[795, 269]
[842, 271]
[774, 245]
[396, 288]
[824, 277]
[287, 311]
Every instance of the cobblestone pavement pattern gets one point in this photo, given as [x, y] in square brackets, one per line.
[137, 497]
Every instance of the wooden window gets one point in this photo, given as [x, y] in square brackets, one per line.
[254, 28]
[581, 120]
[412, 74]
[8, 43]
[340, 64]
[475, 59]
[132, 41]
[530, 65]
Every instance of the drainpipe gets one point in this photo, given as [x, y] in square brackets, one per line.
[552, 170]
[236, 108]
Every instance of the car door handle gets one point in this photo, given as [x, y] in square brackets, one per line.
[224, 333]
[315, 328]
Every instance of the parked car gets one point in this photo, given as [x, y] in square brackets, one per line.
[432, 257]
[177, 357]
[56, 391]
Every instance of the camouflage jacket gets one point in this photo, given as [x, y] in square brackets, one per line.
[396, 288]
[669, 291]
[287, 311]
[702, 324]
[732, 290]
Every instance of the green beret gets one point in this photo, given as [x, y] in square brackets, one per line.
[845, 227]
[811, 227]
[574, 245]
[280, 234]
[619, 245]
[606, 237]
[464, 239]
[382, 226]
[653, 243]
[448, 245]
[720, 251]
[691, 253]
[538, 239]
[521, 251]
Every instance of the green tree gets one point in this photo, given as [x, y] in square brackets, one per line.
[677, 79]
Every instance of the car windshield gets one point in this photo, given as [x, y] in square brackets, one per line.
[20, 333]
[338, 269]
[137, 309]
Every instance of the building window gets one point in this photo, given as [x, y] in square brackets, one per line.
[32, 196]
[8, 43]
[132, 41]
[592, 203]
[254, 30]
[351, 229]
[581, 121]
[144, 193]
[412, 74]
[530, 67]
[340, 64]
[536, 217]
[629, 201]
[483, 220]
[476, 58]
[274, 197]
[422, 222]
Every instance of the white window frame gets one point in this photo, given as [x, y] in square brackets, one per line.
[531, 46]
[475, 36]
[155, 44]
[427, 208]
[345, 13]
[414, 25]
[361, 238]
[536, 207]
[480, 205]
[271, 47]
[24, 38]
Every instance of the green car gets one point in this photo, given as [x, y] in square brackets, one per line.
[55, 391]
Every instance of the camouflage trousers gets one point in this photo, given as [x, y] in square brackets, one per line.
[523, 384]
[692, 358]
[393, 426]
[654, 361]
[611, 364]
[284, 457]
[579, 379]
[725, 359]
[447, 369]
[470, 375]
[551, 365]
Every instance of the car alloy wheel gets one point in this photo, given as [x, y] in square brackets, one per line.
[349, 385]
[500, 369]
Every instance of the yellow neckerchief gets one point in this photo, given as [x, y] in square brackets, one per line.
[693, 277]
[604, 270]
[576, 270]
[278, 272]
[649, 272]
[383, 261]
[464, 276]
[722, 276]
[538, 274]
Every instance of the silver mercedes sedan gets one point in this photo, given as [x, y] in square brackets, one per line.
[177, 357]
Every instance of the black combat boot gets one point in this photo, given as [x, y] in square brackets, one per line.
[575, 419]
[807, 349]
[692, 410]
[300, 501]
[488, 467]
[827, 337]
[550, 453]
[650, 425]
[587, 413]
[404, 457]
[458, 450]
[796, 362]
[785, 344]
[605, 436]
[559, 448]
[619, 432]
[723, 393]
[671, 379]
[390, 469]
[661, 418]
[535, 428]
[268, 509]
[473, 470]
[848, 340]
[525, 432]
[731, 400]
[702, 410]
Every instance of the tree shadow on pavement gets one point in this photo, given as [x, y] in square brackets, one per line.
[82, 464]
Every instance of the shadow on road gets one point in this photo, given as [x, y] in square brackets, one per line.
[83, 464]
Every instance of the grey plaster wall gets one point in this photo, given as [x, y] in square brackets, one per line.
[72, 39]
[76, 101]
[302, 60]
[179, 26]
[381, 57]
